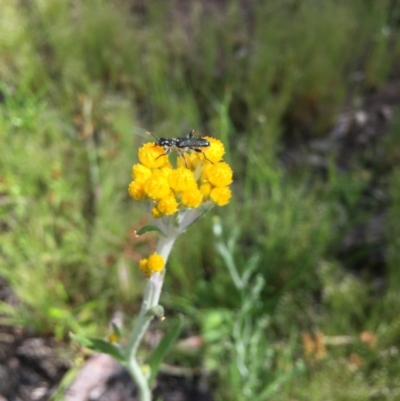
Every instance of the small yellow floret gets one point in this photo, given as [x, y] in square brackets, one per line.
[157, 187]
[205, 189]
[150, 155]
[221, 196]
[192, 198]
[144, 267]
[136, 190]
[181, 180]
[215, 151]
[219, 174]
[168, 205]
[154, 264]
[140, 173]
[166, 171]
[113, 338]
[156, 213]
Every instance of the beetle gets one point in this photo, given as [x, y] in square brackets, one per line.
[182, 144]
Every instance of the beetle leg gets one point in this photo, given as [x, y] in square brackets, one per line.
[167, 151]
[184, 158]
[201, 151]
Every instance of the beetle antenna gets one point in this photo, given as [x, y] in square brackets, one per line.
[150, 133]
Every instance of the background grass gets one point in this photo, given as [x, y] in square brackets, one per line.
[77, 79]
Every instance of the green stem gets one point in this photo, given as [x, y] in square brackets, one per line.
[150, 301]
[140, 380]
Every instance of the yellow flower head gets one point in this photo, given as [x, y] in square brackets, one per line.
[198, 178]
[181, 180]
[221, 196]
[219, 174]
[168, 205]
[154, 264]
[140, 172]
[151, 155]
[136, 190]
[157, 187]
[215, 151]
[192, 198]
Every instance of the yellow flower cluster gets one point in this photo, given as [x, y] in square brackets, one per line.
[154, 264]
[197, 178]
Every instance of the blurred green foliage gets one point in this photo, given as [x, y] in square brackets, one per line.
[77, 78]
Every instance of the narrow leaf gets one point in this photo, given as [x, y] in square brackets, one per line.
[164, 347]
[147, 229]
[98, 345]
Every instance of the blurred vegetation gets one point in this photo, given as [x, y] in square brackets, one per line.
[308, 321]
